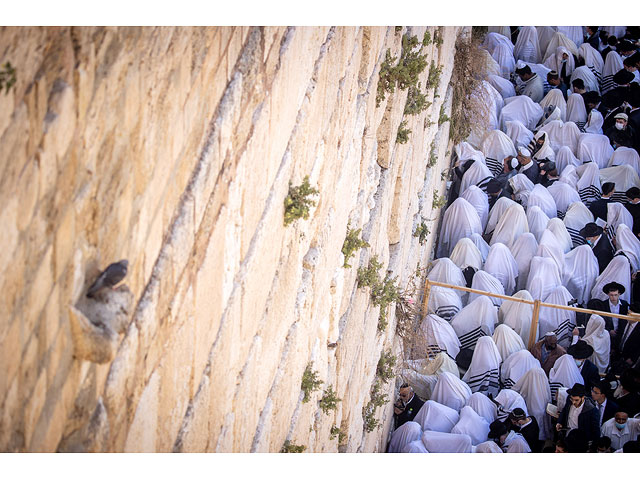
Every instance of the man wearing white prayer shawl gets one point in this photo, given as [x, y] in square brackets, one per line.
[504, 58]
[497, 146]
[503, 86]
[483, 406]
[625, 156]
[523, 109]
[444, 302]
[598, 337]
[438, 442]
[487, 283]
[481, 245]
[563, 195]
[445, 271]
[594, 122]
[618, 270]
[507, 400]
[517, 132]
[436, 417]
[493, 39]
[556, 226]
[628, 243]
[515, 366]
[517, 315]
[488, 447]
[451, 391]
[511, 225]
[472, 424]
[561, 322]
[526, 47]
[439, 364]
[580, 273]
[496, 212]
[415, 447]
[585, 74]
[549, 247]
[507, 340]
[561, 61]
[570, 177]
[523, 250]
[543, 277]
[624, 177]
[537, 220]
[477, 174]
[562, 134]
[592, 59]
[576, 110]
[437, 336]
[577, 216]
[421, 384]
[483, 373]
[612, 65]
[564, 373]
[545, 33]
[521, 187]
[565, 37]
[589, 187]
[541, 197]
[594, 148]
[466, 254]
[501, 264]
[555, 98]
[403, 435]
[617, 214]
[509, 440]
[478, 199]
[564, 158]
[552, 113]
[534, 388]
[475, 321]
[541, 151]
[465, 151]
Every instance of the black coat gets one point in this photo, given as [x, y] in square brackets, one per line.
[590, 374]
[608, 322]
[631, 348]
[624, 138]
[609, 410]
[531, 433]
[532, 173]
[630, 403]
[599, 208]
[588, 420]
[603, 252]
[634, 210]
[410, 411]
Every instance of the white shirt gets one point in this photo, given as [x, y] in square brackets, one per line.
[614, 309]
[620, 437]
[573, 416]
[526, 167]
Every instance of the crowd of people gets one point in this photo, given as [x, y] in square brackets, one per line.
[545, 205]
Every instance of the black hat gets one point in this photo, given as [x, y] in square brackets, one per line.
[494, 186]
[635, 58]
[633, 192]
[468, 273]
[518, 414]
[591, 229]
[625, 46]
[577, 390]
[623, 77]
[497, 429]
[613, 286]
[524, 70]
[580, 350]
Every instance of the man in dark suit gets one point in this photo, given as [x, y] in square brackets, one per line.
[633, 194]
[629, 346]
[600, 244]
[581, 351]
[601, 396]
[615, 326]
[599, 207]
[528, 167]
[579, 413]
[527, 426]
[407, 406]
[628, 398]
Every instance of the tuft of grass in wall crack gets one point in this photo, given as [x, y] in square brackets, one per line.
[433, 158]
[405, 74]
[438, 200]
[297, 202]
[433, 80]
[383, 292]
[403, 132]
[386, 363]
[421, 232]
[416, 101]
[329, 400]
[337, 432]
[7, 77]
[352, 242]
[289, 447]
[310, 382]
[426, 39]
[443, 116]
[438, 38]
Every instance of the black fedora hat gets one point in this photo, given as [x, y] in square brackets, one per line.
[577, 390]
[622, 77]
[497, 429]
[580, 349]
[591, 229]
[613, 286]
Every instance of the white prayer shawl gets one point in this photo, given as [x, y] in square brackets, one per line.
[555, 115]
[541, 197]
[564, 158]
[496, 212]
[488, 447]
[549, 248]
[580, 272]
[511, 225]
[617, 31]
[518, 133]
[438, 336]
[508, 400]
[624, 176]
[576, 111]
[515, 443]
[523, 109]
[562, 134]
[526, 47]
[598, 337]
[518, 315]
[555, 97]
[564, 195]
[445, 271]
[538, 221]
[497, 146]
[612, 65]
[566, 37]
[534, 388]
[564, 373]
[493, 68]
[618, 270]
[521, 186]
[478, 199]
[507, 340]
[515, 366]
[465, 151]
[478, 174]
[415, 447]
[588, 77]
[472, 424]
[523, 250]
[466, 254]
[594, 122]
[554, 61]
[483, 374]
[493, 103]
[556, 226]
[438, 442]
[500, 262]
[436, 417]
[487, 283]
[569, 176]
[545, 33]
[475, 321]
[479, 242]
[628, 243]
[594, 148]
[422, 384]
[439, 364]
[543, 278]
[492, 40]
[589, 183]
[625, 156]
[577, 216]
[562, 322]
[483, 406]
[451, 391]
[592, 58]
[504, 58]
[503, 86]
[617, 214]
[460, 220]
[503, 30]
[545, 151]
[403, 435]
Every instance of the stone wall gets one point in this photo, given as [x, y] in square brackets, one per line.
[174, 148]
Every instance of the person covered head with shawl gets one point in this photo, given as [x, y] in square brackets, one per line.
[557, 227]
[517, 315]
[597, 336]
[477, 174]
[437, 417]
[562, 61]
[540, 147]
[507, 340]
[515, 366]
[487, 283]
[629, 244]
[517, 132]
[483, 373]
[496, 212]
[543, 277]
[577, 216]
[589, 183]
[618, 270]
[508, 400]
[475, 321]
[563, 195]
[523, 250]
[403, 435]
[592, 59]
[511, 225]
[594, 148]
[496, 146]
[445, 271]
[466, 254]
[617, 215]
[555, 98]
[541, 197]
[522, 109]
[580, 273]
[508, 440]
[537, 220]
[478, 199]
[451, 391]
[564, 373]
[472, 424]
[481, 245]
[438, 442]
[526, 47]
[561, 322]
[576, 110]
[570, 177]
[521, 187]
[534, 388]
[437, 335]
[612, 65]
[585, 76]
[625, 156]
[483, 406]
[565, 157]
[460, 220]
[501, 264]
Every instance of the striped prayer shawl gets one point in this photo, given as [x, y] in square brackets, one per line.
[597, 74]
[560, 214]
[576, 238]
[554, 389]
[508, 383]
[447, 311]
[607, 84]
[469, 339]
[619, 197]
[589, 194]
[580, 126]
[502, 414]
[610, 233]
[485, 381]
[494, 166]
[564, 330]
[482, 184]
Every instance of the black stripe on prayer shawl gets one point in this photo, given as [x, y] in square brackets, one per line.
[589, 194]
[580, 126]
[482, 184]
[447, 312]
[482, 382]
[610, 234]
[469, 339]
[508, 383]
[564, 330]
[560, 214]
[576, 238]
[596, 73]
[554, 389]
[619, 197]
[494, 166]
[502, 413]
[607, 84]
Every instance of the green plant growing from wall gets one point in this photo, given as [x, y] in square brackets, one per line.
[7, 77]
[421, 232]
[386, 363]
[443, 116]
[433, 158]
[416, 101]
[368, 276]
[438, 39]
[383, 291]
[352, 242]
[426, 39]
[387, 77]
[433, 80]
[329, 400]
[376, 399]
[297, 202]
[438, 201]
[403, 132]
[337, 432]
[310, 382]
[289, 447]
[398, 29]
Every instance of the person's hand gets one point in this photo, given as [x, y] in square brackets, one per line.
[558, 427]
[397, 410]
[575, 331]
[612, 333]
